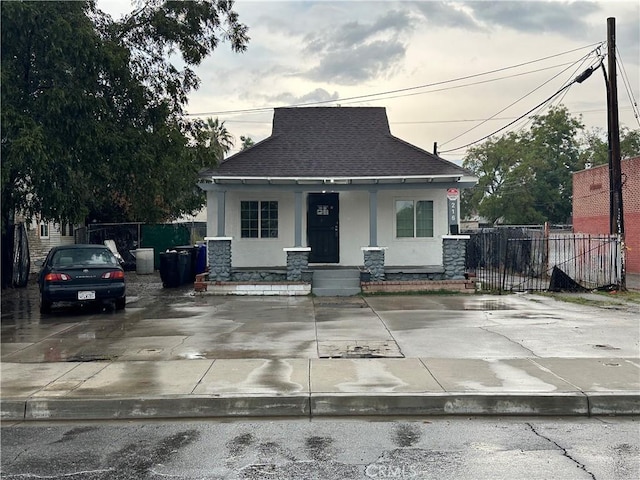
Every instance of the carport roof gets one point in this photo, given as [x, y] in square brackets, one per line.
[345, 144]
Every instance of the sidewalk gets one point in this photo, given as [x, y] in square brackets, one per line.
[320, 387]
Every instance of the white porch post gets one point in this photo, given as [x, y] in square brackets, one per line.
[298, 219]
[221, 213]
[373, 218]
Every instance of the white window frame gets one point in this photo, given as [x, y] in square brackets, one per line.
[260, 202]
[415, 203]
[44, 229]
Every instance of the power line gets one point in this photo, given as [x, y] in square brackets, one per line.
[510, 123]
[515, 102]
[358, 97]
[578, 79]
[627, 86]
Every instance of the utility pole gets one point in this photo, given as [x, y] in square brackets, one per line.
[616, 223]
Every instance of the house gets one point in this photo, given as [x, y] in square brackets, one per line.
[331, 186]
[591, 205]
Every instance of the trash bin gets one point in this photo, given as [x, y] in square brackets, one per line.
[144, 261]
[185, 267]
[189, 271]
[201, 258]
[169, 273]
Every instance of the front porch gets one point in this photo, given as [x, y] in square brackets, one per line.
[301, 278]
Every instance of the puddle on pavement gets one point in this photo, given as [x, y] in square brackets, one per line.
[486, 304]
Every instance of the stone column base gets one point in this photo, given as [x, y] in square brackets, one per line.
[219, 258]
[297, 262]
[374, 262]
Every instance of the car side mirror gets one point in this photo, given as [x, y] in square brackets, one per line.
[39, 262]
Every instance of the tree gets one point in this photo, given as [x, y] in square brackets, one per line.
[219, 141]
[596, 146]
[525, 178]
[92, 108]
[247, 142]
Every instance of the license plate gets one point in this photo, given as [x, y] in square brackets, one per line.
[86, 295]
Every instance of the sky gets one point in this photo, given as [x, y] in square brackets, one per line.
[427, 62]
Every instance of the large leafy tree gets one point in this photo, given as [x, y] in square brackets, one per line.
[525, 177]
[596, 151]
[92, 108]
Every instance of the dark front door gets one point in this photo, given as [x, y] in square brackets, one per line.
[322, 227]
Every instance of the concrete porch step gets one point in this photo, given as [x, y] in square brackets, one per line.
[335, 292]
[336, 283]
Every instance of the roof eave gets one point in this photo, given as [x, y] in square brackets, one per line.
[339, 180]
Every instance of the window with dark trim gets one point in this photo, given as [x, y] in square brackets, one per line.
[258, 219]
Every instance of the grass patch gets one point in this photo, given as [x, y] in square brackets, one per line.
[606, 299]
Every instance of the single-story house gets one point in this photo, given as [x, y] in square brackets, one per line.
[331, 185]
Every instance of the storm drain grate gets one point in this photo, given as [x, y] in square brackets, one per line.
[359, 349]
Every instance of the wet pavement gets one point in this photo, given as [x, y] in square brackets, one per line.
[174, 353]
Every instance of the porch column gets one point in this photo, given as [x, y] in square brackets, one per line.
[221, 211]
[373, 218]
[219, 258]
[298, 219]
[374, 262]
[297, 263]
[454, 256]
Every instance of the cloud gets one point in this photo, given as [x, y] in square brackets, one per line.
[358, 51]
[441, 14]
[565, 18]
[317, 95]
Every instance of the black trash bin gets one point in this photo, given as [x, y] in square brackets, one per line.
[188, 271]
[169, 273]
[185, 267]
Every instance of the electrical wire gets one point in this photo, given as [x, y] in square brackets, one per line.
[546, 101]
[627, 86]
[558, 92]
[358, 97]
[530, 120]
[584, 59]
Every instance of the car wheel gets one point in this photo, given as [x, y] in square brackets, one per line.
[45, 305]
[121, 303]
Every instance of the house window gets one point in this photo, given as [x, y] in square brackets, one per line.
[414, 218]
[259, 219]
[66, 230]
[44, 230]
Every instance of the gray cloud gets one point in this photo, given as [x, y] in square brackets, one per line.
[359, 63]
[317, 95]
[357, 51]
[565, 18]
[445, 14]
[538, 16]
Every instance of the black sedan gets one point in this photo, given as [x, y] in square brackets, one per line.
[81, 274]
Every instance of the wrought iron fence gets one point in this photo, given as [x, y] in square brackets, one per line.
[515, 260]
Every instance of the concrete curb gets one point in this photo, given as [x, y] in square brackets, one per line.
[318, 405]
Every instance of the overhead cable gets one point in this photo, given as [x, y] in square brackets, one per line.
[264, 109]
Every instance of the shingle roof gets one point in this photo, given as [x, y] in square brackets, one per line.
[333, 142]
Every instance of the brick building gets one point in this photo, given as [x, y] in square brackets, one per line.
[591, 205]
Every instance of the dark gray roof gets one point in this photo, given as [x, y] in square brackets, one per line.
[333, 142]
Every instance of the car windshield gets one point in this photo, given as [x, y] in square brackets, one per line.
[84, 256]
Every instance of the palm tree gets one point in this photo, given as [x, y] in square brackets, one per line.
[220, 140]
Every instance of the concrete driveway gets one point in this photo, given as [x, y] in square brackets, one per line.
[175, 324]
